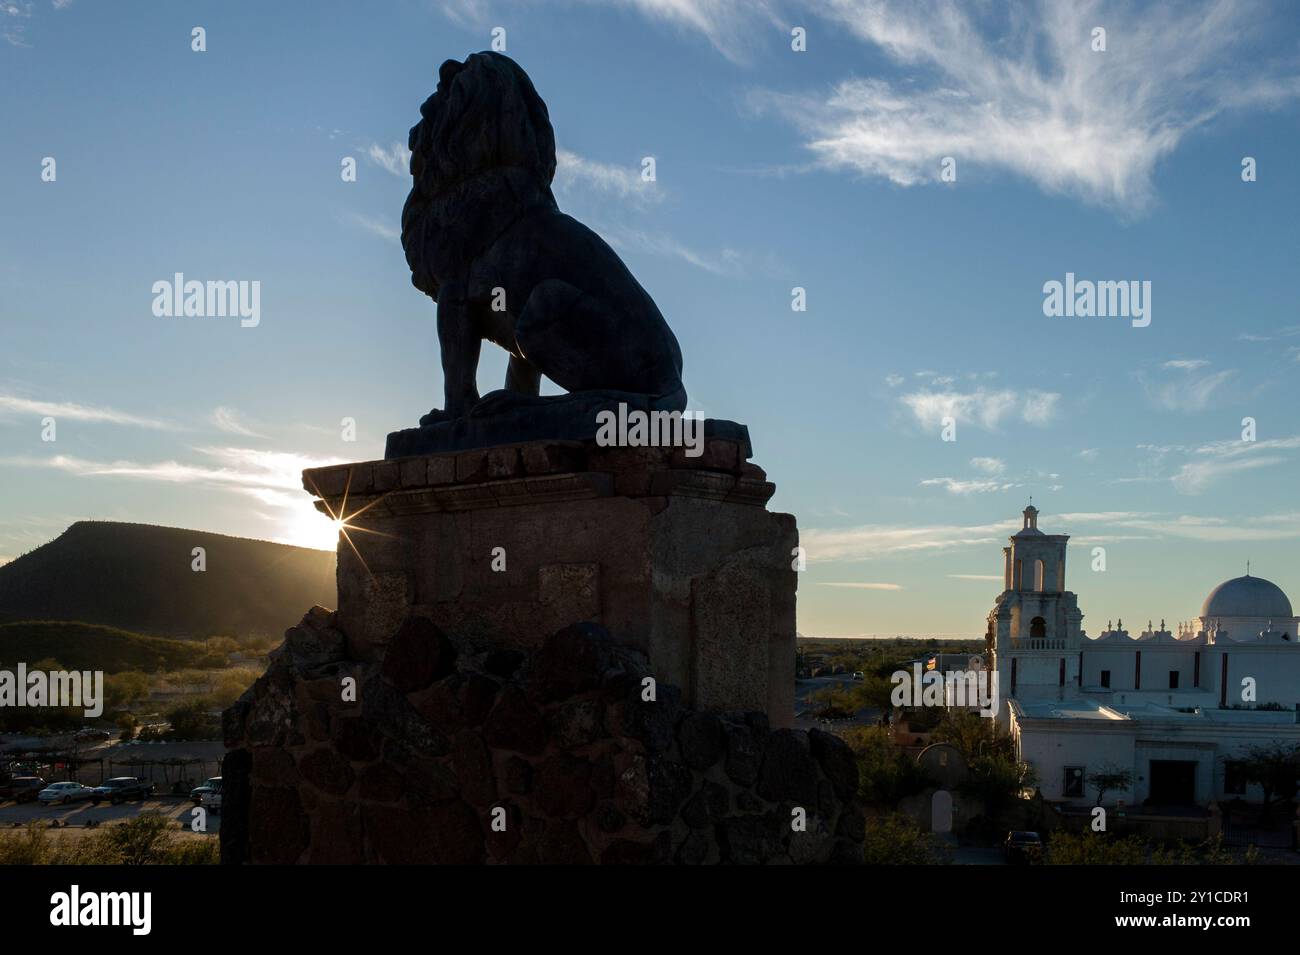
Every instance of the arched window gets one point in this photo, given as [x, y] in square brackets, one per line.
[1038, 628]
[1038, 575]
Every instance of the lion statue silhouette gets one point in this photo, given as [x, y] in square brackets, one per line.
[486, 241]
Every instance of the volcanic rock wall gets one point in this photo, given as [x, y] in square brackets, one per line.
[570, 753]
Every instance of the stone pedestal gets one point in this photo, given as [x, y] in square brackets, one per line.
[675, 556]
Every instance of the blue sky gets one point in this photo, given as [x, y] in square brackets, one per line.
[775, 169]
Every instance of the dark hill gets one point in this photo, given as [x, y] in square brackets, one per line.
[86, 646]
[138, 577]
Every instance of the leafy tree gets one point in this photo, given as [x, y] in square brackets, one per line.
[874, 691]
[124, 689]
[1275, 768]
[190, 720]
[886, 774]
[1108, 778]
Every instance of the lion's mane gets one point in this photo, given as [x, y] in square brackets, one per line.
[483, 152]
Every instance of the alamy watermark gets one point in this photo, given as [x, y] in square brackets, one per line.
[651, 429]
[193, 299]
[1126, 298]
[62, 688]
[957, 688]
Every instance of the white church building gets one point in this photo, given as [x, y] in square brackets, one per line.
[1172, 707]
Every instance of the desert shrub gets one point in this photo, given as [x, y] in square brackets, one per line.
[896, 840]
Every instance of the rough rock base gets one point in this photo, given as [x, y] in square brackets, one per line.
[450, 754]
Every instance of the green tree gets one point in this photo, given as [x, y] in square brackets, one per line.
[1108, 778]
[886, 774]
[1275, 768]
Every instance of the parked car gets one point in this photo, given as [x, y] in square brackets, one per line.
[64, 793]
[212, 802]
[120, 789]
[1022, 847]
[22, 788]
[209, 786]
[91, 733]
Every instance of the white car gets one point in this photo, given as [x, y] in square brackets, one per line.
[64, 793]
[211, 801]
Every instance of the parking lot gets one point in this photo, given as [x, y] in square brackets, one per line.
[80, 813]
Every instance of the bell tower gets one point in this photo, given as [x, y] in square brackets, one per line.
[1034, 630]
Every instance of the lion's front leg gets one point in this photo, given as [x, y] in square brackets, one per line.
[523, 377]
[458, 338]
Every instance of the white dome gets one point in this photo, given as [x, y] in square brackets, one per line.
[1247, 597]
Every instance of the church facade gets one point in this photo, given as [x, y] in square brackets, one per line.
[1176, 709]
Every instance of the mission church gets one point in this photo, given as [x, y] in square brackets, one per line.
[1174, 708]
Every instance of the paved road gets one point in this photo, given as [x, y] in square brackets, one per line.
[79, 813]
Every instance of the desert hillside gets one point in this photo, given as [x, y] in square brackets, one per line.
[138, 577]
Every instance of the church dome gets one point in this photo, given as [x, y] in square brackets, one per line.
[1247, 597]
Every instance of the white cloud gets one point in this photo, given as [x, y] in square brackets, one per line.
[1184, 387]
[1186, 364]
[963, 488]
[13, 405]
[238, 468]
[859, 586]
[980, 407]
[727, 262]
[869, 541]
[729, 25]
[894, 380]
[576, 174]
[379, 227]
[1039, 406]
[988, 465]
[1211, 463]
[1028, 95]
[396, 159]
[230, 421]
[997, 577]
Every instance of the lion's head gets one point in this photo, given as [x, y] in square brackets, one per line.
[483, 128]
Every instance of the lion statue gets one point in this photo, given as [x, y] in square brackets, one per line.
[485, 240]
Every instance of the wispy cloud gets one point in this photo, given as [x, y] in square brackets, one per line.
[975, 576]
[1022, 91]
[1211, 463]
[396, 159]
[1182, 385]
[855, 585]
[729, 25]
[871, 541]
[576, 174]
[239, 468]
[964, 488]
[12, 26]
[988, 465]
[727, 262]
[982, 407]
[383, 229]
[230, 421]
[11, 405]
